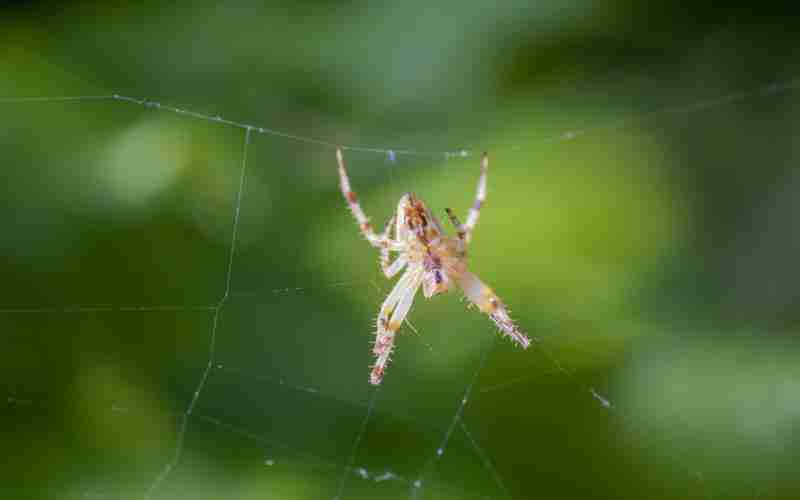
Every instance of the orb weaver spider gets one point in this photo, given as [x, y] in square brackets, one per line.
[432, 259]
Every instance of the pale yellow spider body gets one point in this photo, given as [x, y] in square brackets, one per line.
[433, 260]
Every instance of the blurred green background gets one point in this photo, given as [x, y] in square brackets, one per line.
[641, 222]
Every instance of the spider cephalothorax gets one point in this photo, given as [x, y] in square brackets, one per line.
[432, 259]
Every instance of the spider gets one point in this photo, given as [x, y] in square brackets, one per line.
[431, 258]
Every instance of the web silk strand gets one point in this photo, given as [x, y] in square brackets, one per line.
[212, 344]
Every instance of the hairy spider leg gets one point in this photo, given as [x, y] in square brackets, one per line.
[480, 198]
[489, 303]
[377, 241]
[397, 305]
[388, 307]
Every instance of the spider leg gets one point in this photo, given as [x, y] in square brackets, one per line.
[460, 231]
[396, 266]
[397, 304]
[377, 241]
[480, 198]
[489, 303]
[387, 307]
[399, 263]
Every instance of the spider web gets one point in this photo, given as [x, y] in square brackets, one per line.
[261, 390]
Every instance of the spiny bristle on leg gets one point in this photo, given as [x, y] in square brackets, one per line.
[509, 329]
[378, 369]
[383, 343]
[376, 376]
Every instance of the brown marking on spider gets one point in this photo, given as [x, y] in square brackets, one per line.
[432, 260]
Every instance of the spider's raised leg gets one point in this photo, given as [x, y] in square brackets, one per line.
[397, 305]
[480, 197]
[489, 303]
[378, 241]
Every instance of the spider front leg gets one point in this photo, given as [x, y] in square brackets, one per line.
[480, 198]
[489, 303]
[378, 241]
